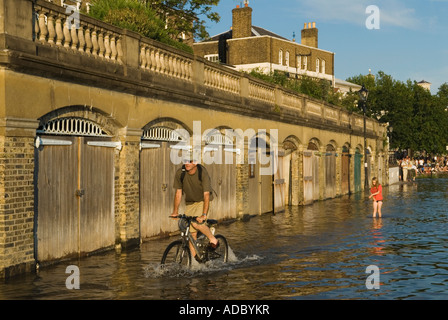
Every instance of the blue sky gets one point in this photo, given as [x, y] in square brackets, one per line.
[411, 42]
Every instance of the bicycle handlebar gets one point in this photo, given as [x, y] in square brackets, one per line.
[182, 216]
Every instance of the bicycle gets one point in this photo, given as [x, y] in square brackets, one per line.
[178, 251]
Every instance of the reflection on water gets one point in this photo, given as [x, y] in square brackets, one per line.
[319, 251]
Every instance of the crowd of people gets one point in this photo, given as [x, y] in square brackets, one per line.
[410, 168]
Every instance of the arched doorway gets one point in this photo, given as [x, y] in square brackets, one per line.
[74, 187]
[311, 172]
[357, 169]
[290, 166]
[219, 158]
[261, 198]
[161, 146]
[330, 171]
[345, 170]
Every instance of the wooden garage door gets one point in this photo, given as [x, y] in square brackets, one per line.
[357, 171]
[75, 207]
[345, 173]
[157, 173]
[260, 184]
[330, 174]
[308, 172]
[223, 179]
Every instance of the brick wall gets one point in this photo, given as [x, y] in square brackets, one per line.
[16, 205]
[249, 50]
[127, 194]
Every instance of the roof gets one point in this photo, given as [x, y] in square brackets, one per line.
[256, 32]
[346, 83]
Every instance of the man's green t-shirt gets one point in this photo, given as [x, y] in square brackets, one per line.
[192, 187]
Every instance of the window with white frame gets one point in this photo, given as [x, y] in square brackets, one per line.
[280, 57]
[299, 62]
[305, 63]
[317, 66]
[323, 66]
[287, 58]
[212, 57]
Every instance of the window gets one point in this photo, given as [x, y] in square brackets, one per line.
[317, 66]
[323, 66]
[280, 57]
[305, 63]
[287, 58]
[299, 62]
[212, 57]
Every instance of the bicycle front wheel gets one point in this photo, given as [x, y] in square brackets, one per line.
[177, 253]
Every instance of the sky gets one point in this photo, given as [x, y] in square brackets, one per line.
[407, 39]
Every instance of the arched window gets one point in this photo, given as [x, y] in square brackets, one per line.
[323, 66]
[317, 66]
[280, 57]
[287, 58]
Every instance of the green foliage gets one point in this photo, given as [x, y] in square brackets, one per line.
[135, 16]
[419, 119]
[315, 88]
[185, 15]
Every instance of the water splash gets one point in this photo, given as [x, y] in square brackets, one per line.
[174, 270]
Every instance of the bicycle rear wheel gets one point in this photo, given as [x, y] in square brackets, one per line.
[177, 253]
[222, 252]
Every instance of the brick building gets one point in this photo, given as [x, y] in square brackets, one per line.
[246, 47]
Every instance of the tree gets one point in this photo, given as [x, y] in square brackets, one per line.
[419, 119]
[161, 20]
[183, 16]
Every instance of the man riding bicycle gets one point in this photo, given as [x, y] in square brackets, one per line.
[195, 183]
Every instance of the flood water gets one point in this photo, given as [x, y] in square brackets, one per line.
[319, 251]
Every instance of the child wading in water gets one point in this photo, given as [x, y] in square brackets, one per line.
[376, 192]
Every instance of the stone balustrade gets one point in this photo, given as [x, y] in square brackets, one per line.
[164, 62]
[221, 80]
[56, 27]
[263, 92]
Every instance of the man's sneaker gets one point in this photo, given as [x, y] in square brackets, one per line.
[214, 246]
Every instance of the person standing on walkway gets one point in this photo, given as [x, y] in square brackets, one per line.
[376, 192]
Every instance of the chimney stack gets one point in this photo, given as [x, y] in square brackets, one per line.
[242, 22]
[310, 35]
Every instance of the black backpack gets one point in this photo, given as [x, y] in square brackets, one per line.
[184, 171]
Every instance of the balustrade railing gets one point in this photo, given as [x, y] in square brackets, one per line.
[164, 62]
[221, 80]
[56, 27]
[262, 92]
